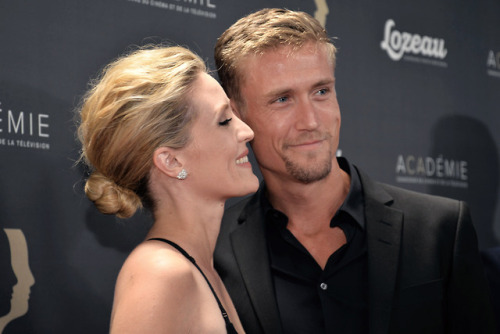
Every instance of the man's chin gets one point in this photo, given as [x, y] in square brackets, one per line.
[308, 174]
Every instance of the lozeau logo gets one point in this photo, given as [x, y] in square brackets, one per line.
[397, 43]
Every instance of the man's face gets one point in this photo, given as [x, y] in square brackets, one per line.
[289, 101]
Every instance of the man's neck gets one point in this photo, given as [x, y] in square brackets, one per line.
[309, 207]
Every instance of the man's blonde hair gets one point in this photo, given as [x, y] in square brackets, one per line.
[258, 32]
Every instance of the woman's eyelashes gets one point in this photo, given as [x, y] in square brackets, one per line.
[225, 122]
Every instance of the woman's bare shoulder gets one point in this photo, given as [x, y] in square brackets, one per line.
[155, 285]
[157, 259]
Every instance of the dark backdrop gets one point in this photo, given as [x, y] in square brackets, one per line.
[418, 85]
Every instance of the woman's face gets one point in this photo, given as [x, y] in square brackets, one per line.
[216, 156]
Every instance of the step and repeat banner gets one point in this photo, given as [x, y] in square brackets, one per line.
[418, 86]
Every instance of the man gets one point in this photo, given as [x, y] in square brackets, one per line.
[321, 248]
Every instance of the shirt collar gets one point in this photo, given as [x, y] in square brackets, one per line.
[353, 204]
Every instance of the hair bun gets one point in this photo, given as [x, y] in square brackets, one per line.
[110, 198]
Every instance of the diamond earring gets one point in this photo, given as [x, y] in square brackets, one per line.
[182, 175]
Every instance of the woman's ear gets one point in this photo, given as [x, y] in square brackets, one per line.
[164, 158]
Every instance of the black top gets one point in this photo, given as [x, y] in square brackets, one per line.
[229, 326]
[312, 300]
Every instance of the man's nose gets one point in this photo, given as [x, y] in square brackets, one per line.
[306, 118]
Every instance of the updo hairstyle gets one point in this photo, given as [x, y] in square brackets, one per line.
[139, 103]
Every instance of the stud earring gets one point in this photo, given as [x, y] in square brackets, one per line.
[182, 175]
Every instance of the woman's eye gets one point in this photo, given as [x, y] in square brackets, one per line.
[225, 122]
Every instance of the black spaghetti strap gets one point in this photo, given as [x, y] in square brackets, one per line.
[229, 326]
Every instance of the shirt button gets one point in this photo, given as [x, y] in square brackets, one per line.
[323, 286]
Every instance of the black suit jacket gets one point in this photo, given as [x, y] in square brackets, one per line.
[424, 270]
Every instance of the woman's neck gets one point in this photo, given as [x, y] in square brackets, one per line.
[194, 225]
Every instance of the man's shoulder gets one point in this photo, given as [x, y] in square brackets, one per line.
[425, 208]
[405, 195]
[401, 196]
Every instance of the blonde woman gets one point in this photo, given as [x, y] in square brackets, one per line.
[158, 131]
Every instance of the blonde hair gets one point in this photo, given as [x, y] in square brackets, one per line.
[139, 103]
[269, 28]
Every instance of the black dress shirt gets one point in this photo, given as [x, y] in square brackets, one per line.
[312, 300]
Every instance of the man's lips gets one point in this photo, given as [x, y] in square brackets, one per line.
[309, 144]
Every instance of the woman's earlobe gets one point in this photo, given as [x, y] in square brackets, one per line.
[182, 174]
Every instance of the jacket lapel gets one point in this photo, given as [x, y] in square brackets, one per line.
[384, 229]
[255, 268]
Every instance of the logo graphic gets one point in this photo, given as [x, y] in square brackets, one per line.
[432, 171]
[19, 265]
[204, 8]
[493, 64]
[413, 47]
[24, 129]
[321, 12]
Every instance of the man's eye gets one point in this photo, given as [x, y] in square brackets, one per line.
[225, 122]
[281, 99]
[322, 91]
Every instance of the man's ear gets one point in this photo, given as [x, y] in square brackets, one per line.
[165, 159]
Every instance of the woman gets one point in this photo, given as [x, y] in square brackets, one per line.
[157, 130]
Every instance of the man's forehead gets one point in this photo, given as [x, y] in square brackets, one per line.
[283, 51]
[277, 57]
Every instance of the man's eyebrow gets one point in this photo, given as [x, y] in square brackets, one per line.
[278, 92]
[325, 82]
[285, 91]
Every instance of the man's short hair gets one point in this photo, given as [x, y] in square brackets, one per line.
[258, 32]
